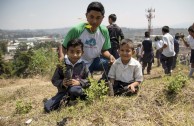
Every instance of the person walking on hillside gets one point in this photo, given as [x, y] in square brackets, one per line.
[189, 42]
[167, 50]
[176, 49]
[147, 53]
[138, 52]
[95, 38]
[158, 45]
[116, 35]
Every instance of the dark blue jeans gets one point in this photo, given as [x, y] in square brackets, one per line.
[100, 64]
[72, 92]
[174, 61]
[166, 63]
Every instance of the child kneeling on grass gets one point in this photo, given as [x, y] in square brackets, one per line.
[126, 72]
[70, 78]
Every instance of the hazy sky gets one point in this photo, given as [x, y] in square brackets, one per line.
[46, 14]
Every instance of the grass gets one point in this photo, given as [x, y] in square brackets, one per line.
[152, 106]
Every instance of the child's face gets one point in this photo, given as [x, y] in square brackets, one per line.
[126, 52]
[94, 18]
[74, 54]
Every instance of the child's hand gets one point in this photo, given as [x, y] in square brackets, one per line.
[111, 59]
[74, 82]
[66, 82]
[132, 88]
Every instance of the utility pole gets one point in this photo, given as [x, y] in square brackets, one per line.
[149, 16]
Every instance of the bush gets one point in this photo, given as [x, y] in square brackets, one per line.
[3, 47]
[23, 107]
[96, 90]
[176, 83]
[29, 63]
[43, 62]
[6, 68]
[21, 62]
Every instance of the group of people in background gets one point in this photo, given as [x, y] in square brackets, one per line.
[90, 47]
[167, 50]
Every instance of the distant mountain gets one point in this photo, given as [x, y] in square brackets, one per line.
[128, 32]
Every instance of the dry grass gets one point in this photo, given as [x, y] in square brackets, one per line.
[152, 106]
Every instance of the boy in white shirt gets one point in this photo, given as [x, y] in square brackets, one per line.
[158, 45]
[126, 72]
[167, 50]
[189, 42]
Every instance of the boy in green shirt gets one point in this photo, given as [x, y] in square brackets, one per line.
[95, 38]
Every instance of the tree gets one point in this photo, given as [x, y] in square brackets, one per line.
[23, 46]
[3, 46]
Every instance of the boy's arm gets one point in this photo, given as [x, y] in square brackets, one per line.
[107, 55]
[84, 82]
[133, 85]
[57, 79]
[62, 53]
[164, 44]
[138, 75]
[185, 42]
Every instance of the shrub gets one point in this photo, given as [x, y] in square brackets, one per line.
[177, 83]
[6, 68]
[96, 90]
[21, 62]
[43, 62]
[23, 107]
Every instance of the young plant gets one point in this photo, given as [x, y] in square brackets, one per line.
[23, 107]
[96, 90]
[176, 83]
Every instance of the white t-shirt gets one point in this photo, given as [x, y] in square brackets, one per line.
[158, 44]
[126, 73]
[169, 41]
[190, 41]
[93, 44]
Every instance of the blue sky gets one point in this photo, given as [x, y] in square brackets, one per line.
[47, 14]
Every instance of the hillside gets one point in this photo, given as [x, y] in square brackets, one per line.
[128, 32]
[150, 107]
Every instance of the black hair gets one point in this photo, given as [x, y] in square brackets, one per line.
[139, 45]
[74, 43]
[177, 36]
[129, 42]
[97, 6]
[190, 29]
[165, 29]
[147, 34]
[113, 17]
[157, 38]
